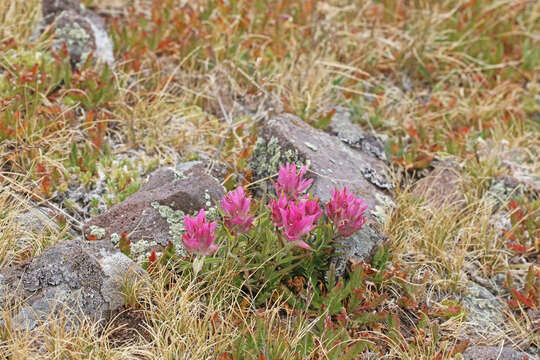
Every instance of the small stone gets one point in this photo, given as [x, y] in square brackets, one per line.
[495, 353]
[441, 187]
[81, 31]
[484, 310]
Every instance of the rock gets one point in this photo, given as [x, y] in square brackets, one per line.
[79, 278]
[331, 164]
[441, 187]
[495, 353]
[484, 310]
[36, 220]
[359, 246]
[351, 134]
[519, 164]
[505, 187]
[81, 31]
[154, 215]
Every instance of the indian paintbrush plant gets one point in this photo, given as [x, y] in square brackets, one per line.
[271, 241]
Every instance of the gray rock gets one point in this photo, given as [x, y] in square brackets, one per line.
[495, 353]
[154, 215]
[81, 31]
[36, 220]
[359, 246]
[354, 136]
[331, 164]
[484, 310]
[77, 278]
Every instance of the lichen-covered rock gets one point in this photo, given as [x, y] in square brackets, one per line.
[441, 187]
[332, 164]
[484, 310]
[495, 353]
[81, 31]
[77, 278]
[154, 215]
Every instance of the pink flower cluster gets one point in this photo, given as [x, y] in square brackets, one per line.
[346, 212]
[235, 206]
[294, 213]
[199, 236]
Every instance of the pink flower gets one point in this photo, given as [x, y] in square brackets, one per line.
[296, 223]
[235, 205]
[199, 236]
[275, 206]
[313, 208]
[291, 183]
[346, 212]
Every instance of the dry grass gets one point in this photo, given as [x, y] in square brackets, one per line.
[435, 76]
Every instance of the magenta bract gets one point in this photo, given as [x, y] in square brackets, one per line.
[199, 236]
[235, 205]
[290, 183]
[346, 212]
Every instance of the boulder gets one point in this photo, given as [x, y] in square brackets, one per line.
[154, 215]
[81, 31]
[76, 277]
[441, 187]
[332, 164]
[495, 353]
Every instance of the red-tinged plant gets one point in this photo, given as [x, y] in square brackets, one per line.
[152, 262]
[124, 244]
[44, 181]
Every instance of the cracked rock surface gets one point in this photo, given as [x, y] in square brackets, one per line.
[332, 164]
[77, 277]
[81, 31]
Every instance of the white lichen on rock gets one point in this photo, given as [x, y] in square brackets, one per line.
[212, 214]
[115, 238]
[140, 248]
[268, 156]
[175, 220]
[178, 175]
[97, 231]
